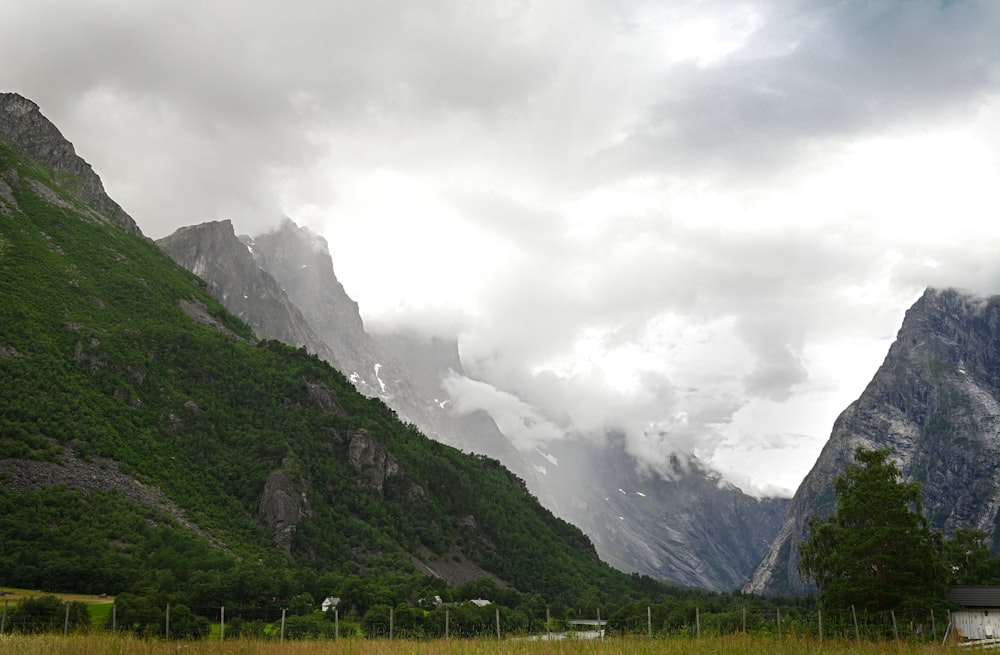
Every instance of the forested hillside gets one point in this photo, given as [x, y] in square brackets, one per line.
[149, 444]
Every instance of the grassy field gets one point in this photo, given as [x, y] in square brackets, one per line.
[729, 645]
[14, 595]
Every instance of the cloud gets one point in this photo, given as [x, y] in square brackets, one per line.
[696, 223]
[810, 78]
[518, 420]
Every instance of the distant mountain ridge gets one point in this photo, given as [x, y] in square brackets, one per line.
[935, 404]
[689, 528]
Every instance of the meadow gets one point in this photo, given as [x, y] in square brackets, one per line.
[738, 644]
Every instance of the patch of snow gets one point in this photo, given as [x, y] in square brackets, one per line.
[621, 518]
[245, 296]
[378, 367]
[623, 491]
[639, 493]
[353, 377]
[304, 266]
[540, 469]
[552, 459]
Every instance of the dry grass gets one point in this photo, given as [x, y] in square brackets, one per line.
[730, 645]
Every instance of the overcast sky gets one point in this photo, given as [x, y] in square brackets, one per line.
[699, 221]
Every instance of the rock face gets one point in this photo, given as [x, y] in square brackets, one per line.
[30, 134]
[683, 524]
[283, 504]
[934, 404]
[212, 252]
[371, 460]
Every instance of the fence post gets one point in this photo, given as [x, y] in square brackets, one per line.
[282, 638]
[66, 621]
[857, 633]
[222, 623]
[392, 617]
[933, 626]
[498, 623]
[819, 614]
[744, 619]
[166, 631]
[114, 618]
[447, 620]
[336, 623]
[3, 621]
[697, 622]
[548, 625]
[779, 622]
[895, 630]
[649, 621]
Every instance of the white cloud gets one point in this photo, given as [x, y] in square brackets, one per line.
[698, 223]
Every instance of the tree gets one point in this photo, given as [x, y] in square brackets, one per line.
[968, 560]
[877, 552]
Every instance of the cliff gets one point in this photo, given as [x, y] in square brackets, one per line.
[935, 404]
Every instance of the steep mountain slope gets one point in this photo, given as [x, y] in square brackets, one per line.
[28, 132]
[690, 528]
[212, 252]
[148, 438]
[934, 404]
[684, 524]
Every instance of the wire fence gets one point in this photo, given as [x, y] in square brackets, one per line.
[471, 621]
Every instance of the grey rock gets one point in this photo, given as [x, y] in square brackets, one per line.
[213, 252]
[30, 134]
[284, 503]
[369, 458]
[934, 404]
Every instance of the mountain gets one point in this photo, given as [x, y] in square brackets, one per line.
[265, 281]
[212, 252]
[149, 442]
[690, 528]
[935, 404]
[26, 131]
[684, 524]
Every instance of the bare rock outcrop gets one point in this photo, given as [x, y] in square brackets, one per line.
[369, 458]
[27, 131]
[284, 503]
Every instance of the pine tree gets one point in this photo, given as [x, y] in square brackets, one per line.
[877, 552]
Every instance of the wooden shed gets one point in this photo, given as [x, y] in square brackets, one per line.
[979, 618]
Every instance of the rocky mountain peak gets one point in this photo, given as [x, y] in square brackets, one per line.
[213, 252]
[300, 259]
[32, 135]
[935, 404]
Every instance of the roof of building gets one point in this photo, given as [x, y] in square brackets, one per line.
[975, 595]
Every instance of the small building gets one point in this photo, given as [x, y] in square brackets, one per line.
[587, 628]
[979, 618]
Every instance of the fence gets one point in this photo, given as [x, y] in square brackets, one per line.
[467, 620]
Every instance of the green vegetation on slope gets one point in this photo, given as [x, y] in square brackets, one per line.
[103, 363]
